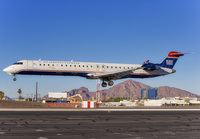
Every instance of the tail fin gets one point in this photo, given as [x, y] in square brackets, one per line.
[170, 60]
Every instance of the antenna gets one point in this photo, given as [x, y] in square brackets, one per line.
[188, 53]
[36, 92]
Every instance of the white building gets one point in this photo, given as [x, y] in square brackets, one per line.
[57, 95]
[168, 102]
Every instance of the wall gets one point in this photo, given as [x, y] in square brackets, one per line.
[68, 105]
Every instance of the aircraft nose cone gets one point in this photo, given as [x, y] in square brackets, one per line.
[5, 70]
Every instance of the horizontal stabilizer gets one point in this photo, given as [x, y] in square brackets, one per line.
[149, 66]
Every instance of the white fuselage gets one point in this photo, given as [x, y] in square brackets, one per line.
[107, 72]
[83, 69]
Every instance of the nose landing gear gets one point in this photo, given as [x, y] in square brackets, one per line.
[14, 79]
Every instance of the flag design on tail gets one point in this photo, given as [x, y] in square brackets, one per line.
[170, 60]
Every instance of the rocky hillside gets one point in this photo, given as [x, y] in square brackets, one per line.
[82, 91]
[134, 88]
[131, 88]
[125, 89]
[166, 91]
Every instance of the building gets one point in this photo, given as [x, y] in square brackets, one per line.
[150, 93]
[75, 99]
[167, 102]
[144, 93]
[57, 95]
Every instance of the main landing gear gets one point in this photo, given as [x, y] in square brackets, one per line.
[104, 84]
[110, 83]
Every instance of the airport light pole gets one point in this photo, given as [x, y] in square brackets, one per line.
[98, 92]
[36, 91]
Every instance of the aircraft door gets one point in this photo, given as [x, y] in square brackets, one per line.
[25, 64]
[29, 64]
[34, 64]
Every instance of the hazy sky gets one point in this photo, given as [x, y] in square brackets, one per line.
[110, 31]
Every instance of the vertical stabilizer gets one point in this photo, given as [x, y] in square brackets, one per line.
[170, 60]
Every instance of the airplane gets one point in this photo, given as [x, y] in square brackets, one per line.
[106, 72]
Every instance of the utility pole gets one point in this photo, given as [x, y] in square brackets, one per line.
[36, 91]
[98, 92]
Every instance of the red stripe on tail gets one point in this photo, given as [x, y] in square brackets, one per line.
[175, 54]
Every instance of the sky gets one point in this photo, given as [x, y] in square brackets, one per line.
[108, 31]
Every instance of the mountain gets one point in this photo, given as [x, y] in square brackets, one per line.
[125, 89]
[6, 98]
[84, 92]
[132, 89]
[166, 91]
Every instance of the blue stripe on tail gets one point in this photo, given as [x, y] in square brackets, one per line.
[168, 62]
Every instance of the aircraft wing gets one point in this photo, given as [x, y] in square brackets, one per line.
[112, 75]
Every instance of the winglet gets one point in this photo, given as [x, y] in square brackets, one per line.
[147, 62]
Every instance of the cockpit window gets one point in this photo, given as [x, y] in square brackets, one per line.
[18, 63]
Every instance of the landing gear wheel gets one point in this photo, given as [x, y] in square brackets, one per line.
[110, 83]
[104, 84]
[14, 79]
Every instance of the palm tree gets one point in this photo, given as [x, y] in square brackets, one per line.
[1, 95]
[19, 92]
